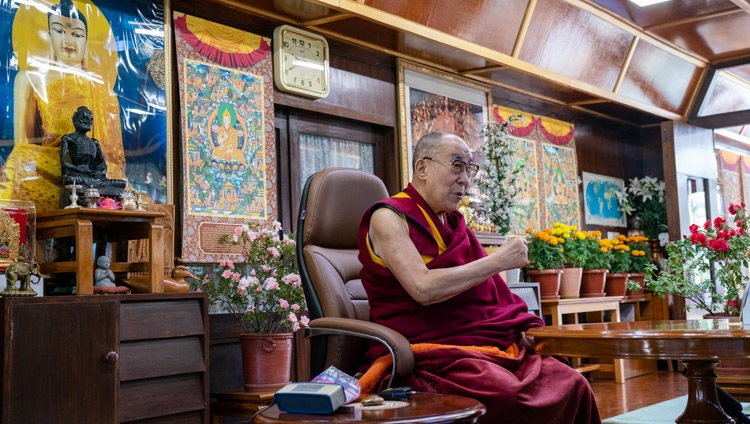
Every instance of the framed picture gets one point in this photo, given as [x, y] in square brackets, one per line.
[116, 66]
[432, 100]
[600, 200]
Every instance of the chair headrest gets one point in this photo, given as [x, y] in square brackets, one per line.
[336, 200]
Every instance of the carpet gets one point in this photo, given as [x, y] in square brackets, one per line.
[659, 413]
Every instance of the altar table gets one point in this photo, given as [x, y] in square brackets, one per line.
[110, 226]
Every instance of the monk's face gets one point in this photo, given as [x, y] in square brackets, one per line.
[443, 185]
[68, 39]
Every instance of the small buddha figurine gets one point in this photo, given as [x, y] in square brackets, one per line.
[103, 276]
[635, 228]
[82, 159]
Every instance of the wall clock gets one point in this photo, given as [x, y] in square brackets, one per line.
[300, 62]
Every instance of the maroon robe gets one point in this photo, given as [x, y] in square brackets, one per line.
[530, 387]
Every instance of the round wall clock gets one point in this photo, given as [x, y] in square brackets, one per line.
[300, 61]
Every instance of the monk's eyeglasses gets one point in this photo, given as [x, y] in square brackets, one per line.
[459, 166]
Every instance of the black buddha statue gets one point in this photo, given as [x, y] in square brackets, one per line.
[83, 162]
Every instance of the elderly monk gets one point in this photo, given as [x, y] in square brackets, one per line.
[428, 277]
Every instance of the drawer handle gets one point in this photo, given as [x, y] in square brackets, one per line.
[112, 358]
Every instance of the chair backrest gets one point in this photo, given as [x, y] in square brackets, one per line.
[332, 205]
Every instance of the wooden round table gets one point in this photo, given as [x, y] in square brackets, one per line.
[423, 408]
[699, 344]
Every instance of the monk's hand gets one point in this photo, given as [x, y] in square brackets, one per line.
[527, 343]
[513, 253]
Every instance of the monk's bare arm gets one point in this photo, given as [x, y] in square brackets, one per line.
[390, 239]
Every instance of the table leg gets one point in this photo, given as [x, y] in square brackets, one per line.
[156, 258]
[703, 402]
[84, 257]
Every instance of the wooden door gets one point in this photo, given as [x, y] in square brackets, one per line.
[60, 363]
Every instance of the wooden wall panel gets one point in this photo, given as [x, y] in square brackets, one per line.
[593, 50]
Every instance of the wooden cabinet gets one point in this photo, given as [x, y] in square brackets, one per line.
[104, 359]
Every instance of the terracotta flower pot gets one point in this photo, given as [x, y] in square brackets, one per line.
[592, 282]
[570, 283]
[616, 284]
[266, 361]
[640, 278]
[549, 282]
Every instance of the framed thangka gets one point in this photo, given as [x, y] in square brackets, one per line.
[115, 65]
[600, 200]
[555, 170]
[432, 100]
[226, 114]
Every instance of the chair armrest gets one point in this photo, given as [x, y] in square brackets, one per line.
[398, 346]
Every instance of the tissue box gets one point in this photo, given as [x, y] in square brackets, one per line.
[310, 398]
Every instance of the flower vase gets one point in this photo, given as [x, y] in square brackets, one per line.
[266, 361]
[549, 282]
[640, 278]
[570, 283]
[616, 284]
[592, 282]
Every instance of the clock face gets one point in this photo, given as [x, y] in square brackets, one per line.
[301, 62]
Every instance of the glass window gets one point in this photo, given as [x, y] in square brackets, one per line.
[319, 152]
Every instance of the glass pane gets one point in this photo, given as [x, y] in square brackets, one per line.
[318, 152]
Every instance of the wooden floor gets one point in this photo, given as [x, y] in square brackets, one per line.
[615, 399]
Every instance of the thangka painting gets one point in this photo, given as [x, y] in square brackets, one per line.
[555, 170]
[227, 116]
[431, 100]
[526, 208]
[600, 200]
[107, 55]
[729, 175]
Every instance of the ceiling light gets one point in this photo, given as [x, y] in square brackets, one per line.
[643, 3]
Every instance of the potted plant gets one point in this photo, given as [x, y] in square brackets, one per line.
[639, 259]
[497, 179]
[576, 256]
[264, 292]
[619, 264]
[546, 261]
[706, 265]
[595, 269]
[644, 200]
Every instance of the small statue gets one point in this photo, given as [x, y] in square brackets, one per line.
[21, 271]
[635, 228]
[103, 276]
[82, 159]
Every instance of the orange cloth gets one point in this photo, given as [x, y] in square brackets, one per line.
[373, 374]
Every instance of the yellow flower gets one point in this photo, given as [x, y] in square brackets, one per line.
[553, 241]
[529, 231]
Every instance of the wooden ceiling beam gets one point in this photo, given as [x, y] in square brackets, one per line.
[742, 4]
[692, 19]
[722, 120]
[618, 21]
[326, 19]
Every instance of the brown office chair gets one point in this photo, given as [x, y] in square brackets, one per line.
[332, 205]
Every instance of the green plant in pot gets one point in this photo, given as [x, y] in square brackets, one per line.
[644, 199]
[263, 291]
[546, 261]
[497, 177]
[707, 265]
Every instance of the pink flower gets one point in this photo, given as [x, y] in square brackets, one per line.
[277, 225]
[295, 307]
[272, 284]
[304, 320]
[292, 317]
[295, 326]
[273, 251]
[227, 273]
[283, 303]
[238, 231]
[236, 276]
